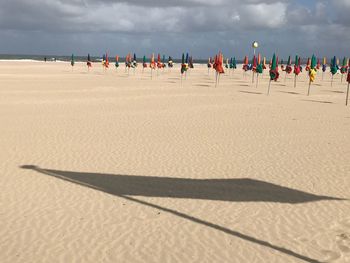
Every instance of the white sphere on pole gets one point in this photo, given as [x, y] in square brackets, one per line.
[255, 44]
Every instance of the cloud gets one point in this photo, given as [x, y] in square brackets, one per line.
[342, 9]
[262, 15]
[201, 25]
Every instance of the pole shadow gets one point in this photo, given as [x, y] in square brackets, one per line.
[250, 92]
[320, 101]
[233, 190]
[289, 92]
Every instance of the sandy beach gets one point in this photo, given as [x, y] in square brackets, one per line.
[106, 166]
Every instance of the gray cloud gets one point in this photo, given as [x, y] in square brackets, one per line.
[200, 26]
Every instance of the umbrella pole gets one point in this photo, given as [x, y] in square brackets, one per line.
[347, 95]
[308, 91]
[268, 90]
[332, 81]
[285, 76]
[342, 78]
[295, 81]
[253, 76]
[257, 80]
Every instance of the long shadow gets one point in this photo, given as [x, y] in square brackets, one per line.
[336, 91]
[289, 92]
[320, 101]
[202, 85]
[250, 92]
[232, 190]
[217, 189]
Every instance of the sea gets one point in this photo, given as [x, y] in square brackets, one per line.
[64, 58]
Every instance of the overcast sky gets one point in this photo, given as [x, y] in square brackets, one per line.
[200, 27]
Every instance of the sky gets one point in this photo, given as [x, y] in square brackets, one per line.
[171, 27]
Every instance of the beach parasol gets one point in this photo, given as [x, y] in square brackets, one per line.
[209, 64]
[233, 64]
[245, 64]
[107, 61]
[72, 62]
[348, 80]
[259, 70]
[144, 63]
[253, 67]
[288, 69]
[312, 72]
[152, 65]
[184, 66]
[218, 67]
[190, 62]
[344, 68]
[88, 62]
[273, 71]
[103, 60]
[264, 63]
[334, 68]
[116, 61]
[297, 69]
[170, 62]
[163, 62]
[324, 66]
[134, 62]
[159, 62]
[308, 64]
[128, 63]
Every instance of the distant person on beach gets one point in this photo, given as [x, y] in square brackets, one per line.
[45, 59]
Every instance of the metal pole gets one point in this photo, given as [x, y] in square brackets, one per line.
[347, 95]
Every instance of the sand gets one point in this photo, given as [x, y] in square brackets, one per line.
[109, 167]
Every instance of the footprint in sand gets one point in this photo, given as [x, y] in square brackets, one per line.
[330, 255]
[343, 238]
[338, 242]
[343, 242]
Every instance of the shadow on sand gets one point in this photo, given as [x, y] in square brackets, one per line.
[250, 92]
[233, 190]
[320, 101]
[289, 92]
